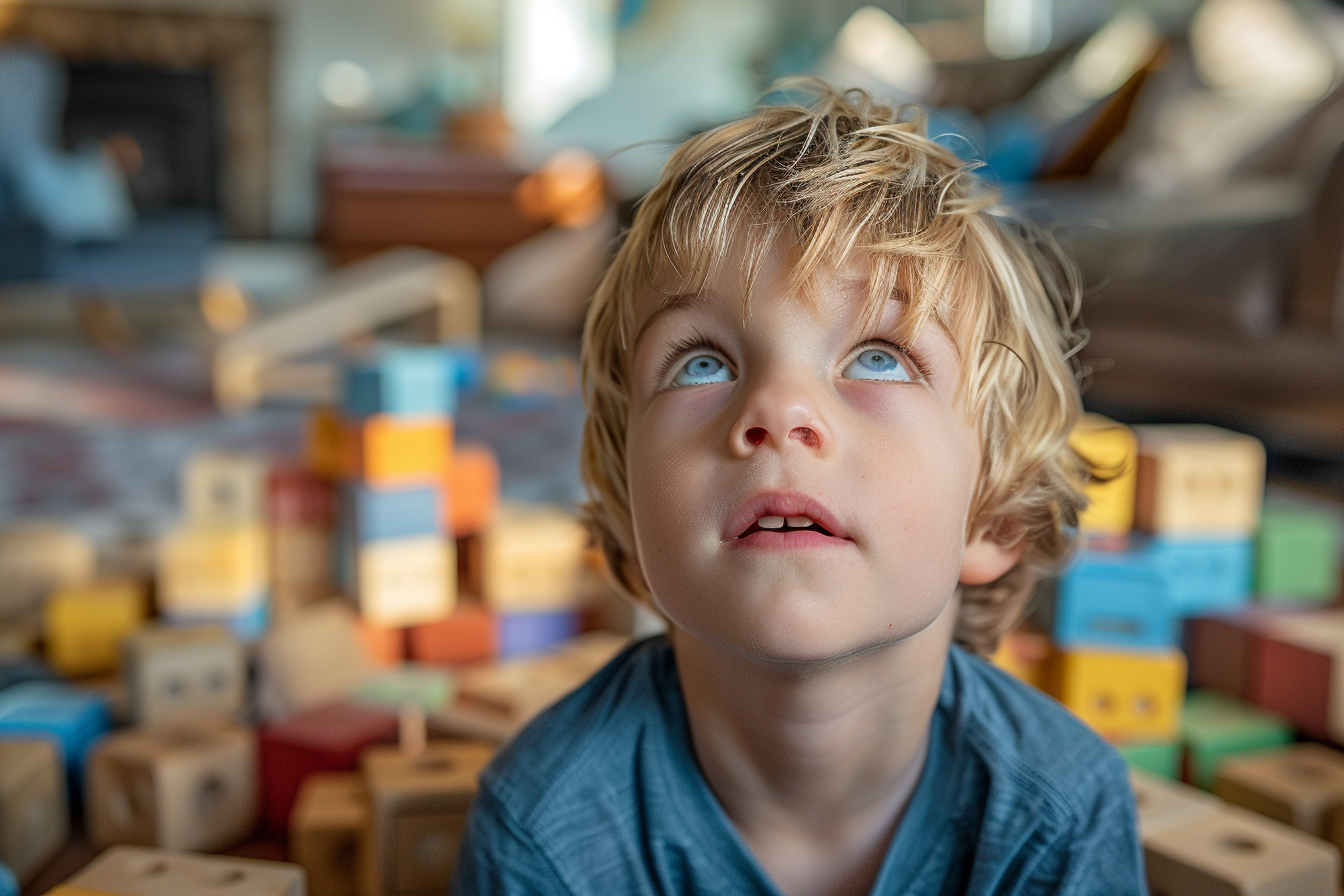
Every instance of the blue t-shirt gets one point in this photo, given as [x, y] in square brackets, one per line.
[602, 795]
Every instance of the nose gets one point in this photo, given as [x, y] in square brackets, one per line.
[783, 415]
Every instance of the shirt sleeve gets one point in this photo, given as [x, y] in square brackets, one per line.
[498, 859]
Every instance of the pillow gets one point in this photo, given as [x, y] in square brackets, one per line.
[75, 197]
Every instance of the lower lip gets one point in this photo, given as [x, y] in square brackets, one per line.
[765, 539]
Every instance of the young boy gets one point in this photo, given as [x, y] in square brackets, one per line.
[829, 392]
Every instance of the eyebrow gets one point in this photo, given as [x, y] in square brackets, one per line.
[672, 303]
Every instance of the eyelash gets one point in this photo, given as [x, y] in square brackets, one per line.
[700, 341]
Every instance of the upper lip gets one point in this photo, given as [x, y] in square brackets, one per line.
[783, 504]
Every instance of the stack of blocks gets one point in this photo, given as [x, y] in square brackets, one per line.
[213, 568]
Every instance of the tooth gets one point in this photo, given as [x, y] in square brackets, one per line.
[799, 522]
[771, 522]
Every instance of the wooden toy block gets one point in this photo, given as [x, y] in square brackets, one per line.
[524, 633]
[1239, 853]
[34, 818]
[1113, 449]
[1224, 649]
[1204, 575]
[533, 559]
[299, 498]
[1296, 785]
[1198, 480]
[326, 832]
[72, 718]
[473, 491]
[36, 557]
[383, 514]
[469, 635]
[86, 623]
[215, 569]
[1025, 655]
[388, 451]
[1298, 553]
[323, 439]
[1164, 804]
[1215, 727]
[326, 739]
[427, 688]
[384, 645]
[1300, 672]
[471, 566]
[300, 568]
[295, 660]
[184, 673]
[407, 581]
[1162, 758]
[405, 381]
[1124, 696]
[182, 786]
[1114, 600]
[419, 806]
[141, 871]
[223, 488]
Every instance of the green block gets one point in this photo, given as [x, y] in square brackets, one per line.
[427, 688]
[1215, 726]
[1298, 553]
[1160, 759]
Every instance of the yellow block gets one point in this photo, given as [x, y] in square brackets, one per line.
[387, 450]
[406, 581]
[1112, 449]
[322, 442]
[1199, 480]
[533, 559]
[85, 625]
[217, 568]
[1124, 696]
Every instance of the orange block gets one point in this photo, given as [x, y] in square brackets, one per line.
[470, 635]
[384, 645]
[388, 450]
[473, 490]
[322, 443]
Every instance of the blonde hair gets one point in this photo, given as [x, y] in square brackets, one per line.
[840, 175]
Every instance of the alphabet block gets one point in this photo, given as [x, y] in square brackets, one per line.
[1296, 785]
[524, 633]
[1124, 696]
[85, 625]
[419, 806]
[140, 871]
[36, 557]
[1300, 672]
[406, 581]
[295, 663]
[388, 451]
[71, 718]
[1224, 649]
[184, 673]
[473, 491]
[469, 635]
[1241, 854]
[1165, 804]
[384, 514]
[1298, 552]
[1198, 481]
[404, 381]
[34, 818]
[1203, 575]
[212, 569]
[326, 832]
[1215, 726]
[533, 560]
[327, 739]
[223, 488]
[184, 786]
[1113, 448]
[1114, 600]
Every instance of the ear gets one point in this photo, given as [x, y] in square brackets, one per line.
[991, 551]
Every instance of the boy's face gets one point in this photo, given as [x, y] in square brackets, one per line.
[737, 432]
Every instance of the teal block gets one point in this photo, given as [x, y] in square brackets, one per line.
[1160, 759]
[1215, 726]
[1298, 553]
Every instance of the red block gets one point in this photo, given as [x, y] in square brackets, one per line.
[1293, 681]
[327, 739]
[470, 635]
[296, 497]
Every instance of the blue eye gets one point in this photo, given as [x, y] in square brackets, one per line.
[701, 370]
[877, 364]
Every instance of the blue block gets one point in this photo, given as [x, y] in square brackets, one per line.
[383, 513]
[9, 884]
[1205, 576]
[409, 382]
[247, 625]
[466, 367]
[73, 719]
[1115, 600]
[523, 633]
